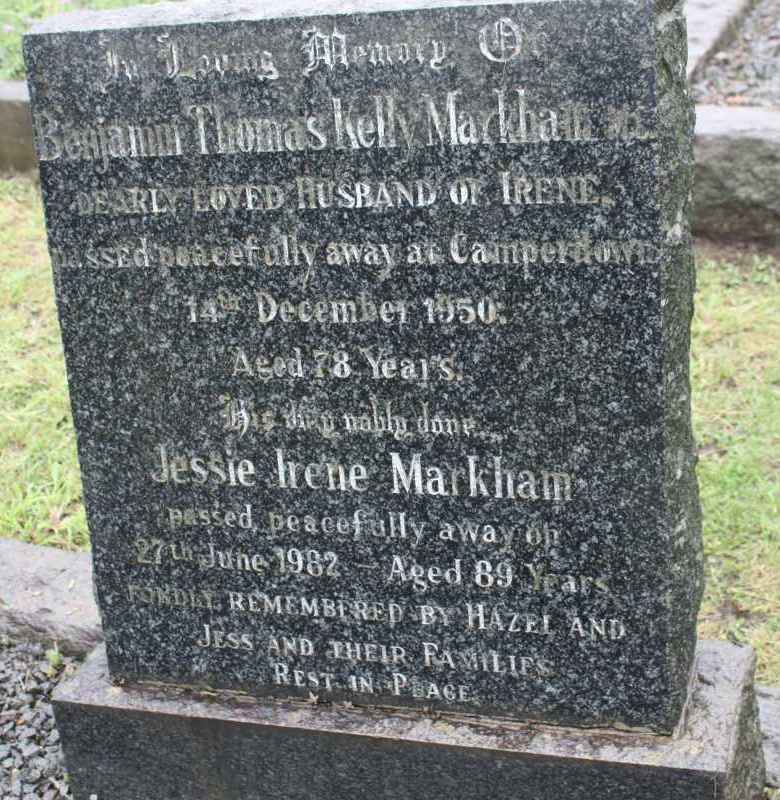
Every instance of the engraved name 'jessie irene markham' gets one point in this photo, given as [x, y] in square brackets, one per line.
[479, 476]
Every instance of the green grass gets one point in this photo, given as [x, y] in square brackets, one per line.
[40, 489]
[16, 16]
[736, 380]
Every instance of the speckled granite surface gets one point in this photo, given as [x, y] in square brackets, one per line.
[376, 328]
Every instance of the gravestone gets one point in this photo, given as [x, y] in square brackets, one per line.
[376, 323]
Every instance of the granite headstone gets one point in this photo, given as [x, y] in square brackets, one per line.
[376, 328]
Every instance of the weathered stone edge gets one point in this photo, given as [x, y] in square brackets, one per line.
[46, 596]
[680, 497]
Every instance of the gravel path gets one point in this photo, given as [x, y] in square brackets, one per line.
[748, 71]
[31, 765]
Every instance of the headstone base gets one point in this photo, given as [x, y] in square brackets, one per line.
[151, 743]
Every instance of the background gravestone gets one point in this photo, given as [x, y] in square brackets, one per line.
[377, 330]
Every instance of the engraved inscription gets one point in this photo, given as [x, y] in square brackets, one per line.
[333, 50]
[372, 303]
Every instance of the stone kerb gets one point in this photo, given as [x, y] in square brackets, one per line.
[46, 597]
[16, 146]
[712, 24]
[737, 184]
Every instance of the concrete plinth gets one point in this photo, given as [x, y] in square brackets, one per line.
[165, 744]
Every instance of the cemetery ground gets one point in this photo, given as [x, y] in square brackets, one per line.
[736, 380]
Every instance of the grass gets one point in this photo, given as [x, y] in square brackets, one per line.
[736, 380]
[40, 489]
[16, 16]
